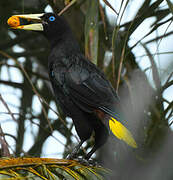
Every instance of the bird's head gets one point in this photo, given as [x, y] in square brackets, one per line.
[49, 24]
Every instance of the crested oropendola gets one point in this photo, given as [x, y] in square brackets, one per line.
[80, 88]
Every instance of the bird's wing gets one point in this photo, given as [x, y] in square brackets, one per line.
[89, 90]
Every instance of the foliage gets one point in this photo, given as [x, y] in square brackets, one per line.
[111, 44]
[48, 169]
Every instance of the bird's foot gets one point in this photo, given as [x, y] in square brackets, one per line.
[75, 151]
[86, 162]
[72, 156]
[93, 162]
[82, 161]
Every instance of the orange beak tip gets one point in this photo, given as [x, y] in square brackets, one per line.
[13, 22]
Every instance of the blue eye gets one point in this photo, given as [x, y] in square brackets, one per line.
[51, 18]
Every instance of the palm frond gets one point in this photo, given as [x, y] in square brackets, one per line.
[48, 169]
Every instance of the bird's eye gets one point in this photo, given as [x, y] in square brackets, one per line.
[51, 18]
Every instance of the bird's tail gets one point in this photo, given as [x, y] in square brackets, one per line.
[121, 132]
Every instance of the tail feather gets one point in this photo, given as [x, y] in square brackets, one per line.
[121, 132]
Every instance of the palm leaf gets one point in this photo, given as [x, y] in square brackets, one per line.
[91, 31]
[48, 169]
[170, 4]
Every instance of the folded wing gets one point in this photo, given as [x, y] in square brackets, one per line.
[90, 90]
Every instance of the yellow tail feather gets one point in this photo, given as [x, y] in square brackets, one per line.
[121, 132]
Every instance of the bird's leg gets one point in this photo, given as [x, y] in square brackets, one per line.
[87, 157]
[84, 161]
[75, 151]
[101, 135]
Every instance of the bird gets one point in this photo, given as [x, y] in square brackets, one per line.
[80, 88]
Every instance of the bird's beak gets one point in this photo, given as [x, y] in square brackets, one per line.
[14, 22]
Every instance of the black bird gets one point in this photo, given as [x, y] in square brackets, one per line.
[80, 88]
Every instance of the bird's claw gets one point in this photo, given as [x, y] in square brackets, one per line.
[72, 156]
[83, 161]
[92, 162]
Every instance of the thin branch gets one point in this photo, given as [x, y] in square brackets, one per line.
[41, 99]
[15, 41]
[159, 37]
[120, 68]
[167, 85]
[47, 131]
[157, 53]
[66, 7]
[169, 77]
[44, 77]
[169, 116]
[102, 14]
[155, 73]
[168, 108]
[110, 6]
[123, 50]
[152, 40]
[34, 89]
[8, 109]
[4, 144]
[163, 36]
[170, 124]
[13, 84]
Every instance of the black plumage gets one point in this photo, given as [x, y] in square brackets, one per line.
[80, 88]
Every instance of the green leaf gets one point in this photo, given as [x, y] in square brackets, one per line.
[108, 4]
[48, 169]
[154, 68]
[92, 31]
